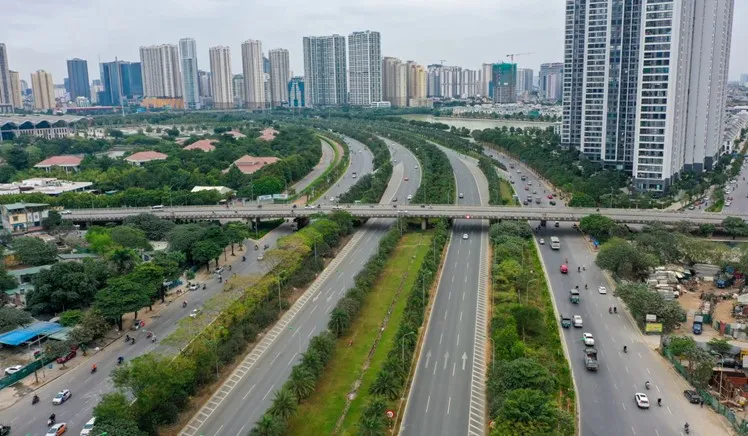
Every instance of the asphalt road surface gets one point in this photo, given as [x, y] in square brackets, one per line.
[251, 391]
[87, 388]
[606, 397]
[447, 394]
[328, 154]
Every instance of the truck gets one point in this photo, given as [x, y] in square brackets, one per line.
[590, 359]
[698, 324]
[565, 321]
[537, 200]
[574, 296]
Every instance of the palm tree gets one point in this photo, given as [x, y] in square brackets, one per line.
[301, 382]
[284, 404]
[386, 385]
[268, 425]
[339, 321]
[371, 426]
[124, 260]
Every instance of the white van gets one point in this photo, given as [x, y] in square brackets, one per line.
[88, 427]
[157, 207]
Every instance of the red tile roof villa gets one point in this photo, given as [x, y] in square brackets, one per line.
[66, 162]
[145, 156]
[249, 164]
[268, 134]
[203, 144]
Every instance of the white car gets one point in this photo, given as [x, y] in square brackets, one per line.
[219, 271]
[589, 340]
[66, 212]
[194, 287]
[410, 197]
[464, 236]
[641, 400]
[61, 396]
[88, 427]
[577, 321]
[195, 313]
[462, 195]
[13, 369]
[416, 167]
[542, 241]
[602, 290]
[261, 257]
[728, 203]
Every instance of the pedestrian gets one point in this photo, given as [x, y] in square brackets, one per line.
[702, 402]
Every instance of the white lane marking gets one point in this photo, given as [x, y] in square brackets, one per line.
[292, 359]
[648, 371]
[463, 295]
[313, 309]
[311, 332]
[632, 430]
[441, 336]
[241, 430]
[268, 392]
[624, 406]
[276, 356]
[445, 313]
[219, 429]
[668, 409]
[428, 401]
[450, 295]
[466, 279]
[460, 315]
[449, 405]
[249, 392]
[453, 279]
[454, 366]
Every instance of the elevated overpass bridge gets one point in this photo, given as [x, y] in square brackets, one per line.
[271, 211]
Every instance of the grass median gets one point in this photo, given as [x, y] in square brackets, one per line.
[320, 412]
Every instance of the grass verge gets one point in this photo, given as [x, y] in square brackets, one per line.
[506, 193]
[320, 413]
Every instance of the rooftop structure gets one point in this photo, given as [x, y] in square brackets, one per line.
[249, 164]
[44, 185]
[221, 189]
[145, 156]
[235, 134]
[268, 134]
[203, 144]
[66, 162]
[23, 217]
[46, 126]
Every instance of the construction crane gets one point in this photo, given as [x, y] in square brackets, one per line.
[512, 55]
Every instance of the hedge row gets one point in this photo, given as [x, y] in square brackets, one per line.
[486, 164]
[311, 368]
[331, 175]
[438, 184]
[159, 401]
[528, 370]
[391, 379]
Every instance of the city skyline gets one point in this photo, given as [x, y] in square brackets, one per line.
[516, 21]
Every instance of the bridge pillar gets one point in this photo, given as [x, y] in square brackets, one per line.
[424, 223]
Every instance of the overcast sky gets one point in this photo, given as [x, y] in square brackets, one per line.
[42, 34]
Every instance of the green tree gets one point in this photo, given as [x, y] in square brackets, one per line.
[64, 286]
[284, 404]
[18, 158]
[130, 237]
[598, 226]
[155, 228]
[527, 411]
[7, 281]
[236, 233]
[151, 278]
[122, 295]
[339, 321]
[623, 259]
[529, 320]
[719, 345]
[205, 251]
[119, 427]
[114, 406]
[114, 133]
[11, 318]
[735, 226]
[52, 222]
[170, 262]
[184, 237]
[70, 318]
[269, 425]
[386, 385]
[124, 260]
[301, 382]
[372, 421]
[34, 252]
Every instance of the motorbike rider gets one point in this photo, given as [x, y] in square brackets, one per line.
[585, 286]
[625, 348]
[184, 303]
[646, 384]
[93, 368]
[579, 269]
[659, 402]
[52, 418]
[610, 310]
[35, 399]
[120, 359]
[615, 309]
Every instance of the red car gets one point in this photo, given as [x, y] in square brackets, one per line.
[564, 269]
[550, 196]
[527, 188]
[66, 357]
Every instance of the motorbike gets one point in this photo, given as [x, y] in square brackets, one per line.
[686, 428]
[120, 359]
[646, 385]
[148, 335]
[615, 309]
[220, 279]
[127, 338]
[610, 310]
[93, 369]
[204, 286]
[625, 348]
[184, 304]
[35, 399]
[244, 258]
[51, 420]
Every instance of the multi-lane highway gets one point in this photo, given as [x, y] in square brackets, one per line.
[606, 397]
[244, 397]
[447, 396]
[88, 388]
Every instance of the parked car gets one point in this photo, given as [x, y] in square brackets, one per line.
[61, 396]
[65, 358]
[641, 400]
[219, 270]
[552, 203]
[13, 369]
[550, 196]
[88, 427]
[692, 396]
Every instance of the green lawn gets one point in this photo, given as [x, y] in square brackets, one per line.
[320, 412]
[506, 192]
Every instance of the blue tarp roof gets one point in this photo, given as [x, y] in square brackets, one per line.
[20, 335]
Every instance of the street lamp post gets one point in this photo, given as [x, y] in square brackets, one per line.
[721, 371]
[402, 345]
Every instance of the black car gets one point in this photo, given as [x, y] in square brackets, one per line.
[692, 396]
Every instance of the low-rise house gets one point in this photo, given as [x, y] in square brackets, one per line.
[25, 275]
[68, 163]
[205, 145]
[221, 189]
[142, 157]
[23, 217]
[43, 185]
[236, 134]
[249, 164]
[76, 257]
[268, 134]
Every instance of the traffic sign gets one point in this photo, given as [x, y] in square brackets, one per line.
[467, 216]
[390, 413]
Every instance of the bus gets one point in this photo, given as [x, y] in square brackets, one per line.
[555, 243]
